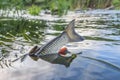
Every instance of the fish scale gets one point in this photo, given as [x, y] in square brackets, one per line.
[58, 43]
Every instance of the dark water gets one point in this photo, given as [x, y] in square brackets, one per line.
[100, 58]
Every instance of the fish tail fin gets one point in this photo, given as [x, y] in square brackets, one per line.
[32, 53]
[72, 35]
[34, 58]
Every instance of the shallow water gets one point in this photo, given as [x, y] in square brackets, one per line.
[100, 50]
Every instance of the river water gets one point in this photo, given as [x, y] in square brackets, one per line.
[100, 58]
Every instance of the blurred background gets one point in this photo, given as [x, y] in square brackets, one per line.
[60, 7]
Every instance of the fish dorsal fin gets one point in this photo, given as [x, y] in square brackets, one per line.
[72, 35]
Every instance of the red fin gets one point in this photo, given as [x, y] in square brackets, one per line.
[63, 51]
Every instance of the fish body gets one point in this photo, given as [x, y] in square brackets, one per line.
[53, 47]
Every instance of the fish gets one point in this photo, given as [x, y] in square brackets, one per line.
[53, 46]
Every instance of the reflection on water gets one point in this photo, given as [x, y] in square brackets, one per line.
[57, 59]
[100, 51]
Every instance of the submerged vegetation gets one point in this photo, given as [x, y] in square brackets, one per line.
[30, 30]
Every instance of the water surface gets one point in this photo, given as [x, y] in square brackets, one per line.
[100, 58]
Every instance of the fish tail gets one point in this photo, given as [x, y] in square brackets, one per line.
[72, 35]
[35, 58]
[32, 53]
